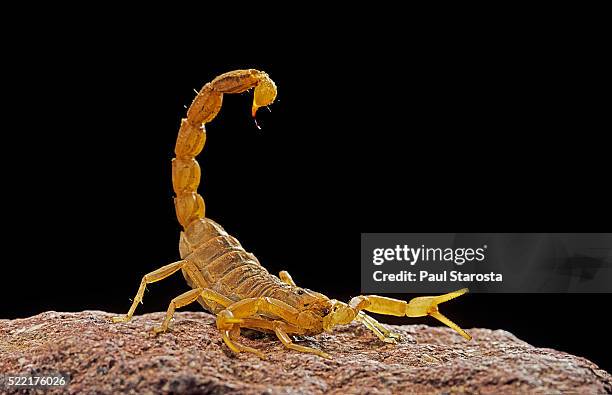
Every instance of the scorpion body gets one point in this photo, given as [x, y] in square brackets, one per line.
[230, 282]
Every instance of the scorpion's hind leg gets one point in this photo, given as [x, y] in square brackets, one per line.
[379, 329]
[149, 278]
[187, 298]
[208, 294]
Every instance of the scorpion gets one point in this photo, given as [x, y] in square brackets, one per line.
[229, 281]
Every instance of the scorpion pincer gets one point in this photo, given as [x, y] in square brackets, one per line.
[229, 281]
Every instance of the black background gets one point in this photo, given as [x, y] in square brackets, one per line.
[461, 132]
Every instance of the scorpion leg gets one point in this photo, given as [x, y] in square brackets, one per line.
[417, 307]
[245, 308]
[187, 298]
[286, 278]
[281, 329]
[268, 323]
[229, 335]
[287, 342]
[237, 347]
[149, 278]
[379, 329]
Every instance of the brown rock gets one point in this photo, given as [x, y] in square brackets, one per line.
[109, 358]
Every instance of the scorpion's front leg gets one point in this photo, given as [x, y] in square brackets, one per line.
[377, 328]
[239, 313]
[282, 330]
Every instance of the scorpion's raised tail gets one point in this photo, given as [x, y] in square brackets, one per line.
[192, 134]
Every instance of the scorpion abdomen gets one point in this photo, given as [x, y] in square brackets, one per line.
[198, 233]
[223, 265]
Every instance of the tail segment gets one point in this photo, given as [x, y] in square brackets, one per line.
[188, 203]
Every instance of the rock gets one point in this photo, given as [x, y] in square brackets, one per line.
[101, 357]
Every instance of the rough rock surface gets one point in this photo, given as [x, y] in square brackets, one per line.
[109, 358]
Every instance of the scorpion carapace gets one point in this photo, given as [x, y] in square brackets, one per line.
[230, 282]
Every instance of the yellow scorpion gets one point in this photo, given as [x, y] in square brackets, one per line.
[230, 282]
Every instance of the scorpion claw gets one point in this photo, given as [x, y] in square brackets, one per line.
[118, 319]
[428, 305]
[442, 318]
